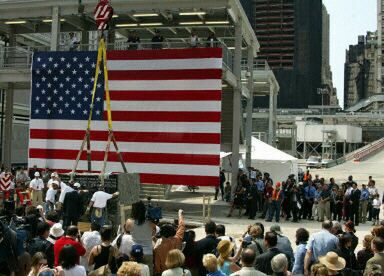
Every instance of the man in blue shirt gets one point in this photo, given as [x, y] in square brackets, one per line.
[309, 198]
[364, 197]
[260, 193]
[319, 245]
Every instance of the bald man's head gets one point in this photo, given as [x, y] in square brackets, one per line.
[248, 257]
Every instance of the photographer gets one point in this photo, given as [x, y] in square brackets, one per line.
[170, 239]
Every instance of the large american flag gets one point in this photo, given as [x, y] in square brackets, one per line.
[166, 111]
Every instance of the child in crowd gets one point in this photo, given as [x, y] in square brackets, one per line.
[376, 209]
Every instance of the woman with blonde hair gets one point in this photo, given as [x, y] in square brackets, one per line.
[226, 263]
[210, 264]
[319, 270]
[175, 262]
[129, 269]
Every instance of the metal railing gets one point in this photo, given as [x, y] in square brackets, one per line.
[258, 64]
[372, 149]
[21, 57]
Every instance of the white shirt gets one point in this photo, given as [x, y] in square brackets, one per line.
[176, 272]
[64, 189]
[126, 244]
[248, 271]
[144, 270]
[376, 203]
[77, 270]
[50, 196]
[100, 199]
[90, 239]
[37, 184]
[372, 191]
[49, 184]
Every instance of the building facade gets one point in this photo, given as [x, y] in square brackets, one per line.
[290, 35]
[360, 70]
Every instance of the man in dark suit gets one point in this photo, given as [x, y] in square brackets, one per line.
[72, 207]
[205, 246]
[378, 258]
[354, 204]
[263, 261]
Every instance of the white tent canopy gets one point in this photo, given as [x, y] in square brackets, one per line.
[269, 159]
[265, 158]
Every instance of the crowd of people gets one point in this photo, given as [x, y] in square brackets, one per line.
[40, 236]
[311, 199]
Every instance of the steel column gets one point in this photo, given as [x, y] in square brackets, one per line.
[236, 123]
[248, 126]
[8, 124]
[271, 115]
[55, 29]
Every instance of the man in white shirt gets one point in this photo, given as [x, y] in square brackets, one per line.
[248, 257]
[90, 239]
[124, 242]
[50, 197]
[37, 186]
[98, 203]
[64, 188]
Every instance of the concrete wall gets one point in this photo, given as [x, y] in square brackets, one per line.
[314, 133]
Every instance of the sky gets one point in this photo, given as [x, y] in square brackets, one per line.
[349, 18]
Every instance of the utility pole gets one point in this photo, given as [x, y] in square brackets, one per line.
[322, 92]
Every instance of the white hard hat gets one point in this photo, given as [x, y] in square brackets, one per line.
[37, 174]
[77, 185]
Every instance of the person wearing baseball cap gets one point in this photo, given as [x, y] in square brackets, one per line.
[137, 255]
[37, 185]
[274, 207]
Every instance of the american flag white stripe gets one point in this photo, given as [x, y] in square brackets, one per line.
[164, 85]
[154, 168]
[166, 105]
[186, 127]
[171, 64]
[182, 148]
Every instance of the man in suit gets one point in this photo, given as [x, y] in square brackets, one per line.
[205, 246]
[354, 203]
[378, 258]
[263, 261]
[72, 207]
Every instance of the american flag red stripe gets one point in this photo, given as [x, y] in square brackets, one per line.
[174, 95]
[190, 74]
[166, 111]
[153, 137]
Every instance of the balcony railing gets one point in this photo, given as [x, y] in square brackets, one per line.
[21, 57]
[258, 64]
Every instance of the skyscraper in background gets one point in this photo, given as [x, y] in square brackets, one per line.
[360, 71]
[290, 33]
[380, 37]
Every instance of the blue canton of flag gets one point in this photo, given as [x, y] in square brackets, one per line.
[62, 84]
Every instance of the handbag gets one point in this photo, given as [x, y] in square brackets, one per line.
[103, 270]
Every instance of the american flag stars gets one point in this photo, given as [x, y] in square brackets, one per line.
[60, 81]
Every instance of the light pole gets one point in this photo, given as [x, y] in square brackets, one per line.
[322, 92]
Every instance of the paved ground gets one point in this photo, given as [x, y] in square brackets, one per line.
[236, 226]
